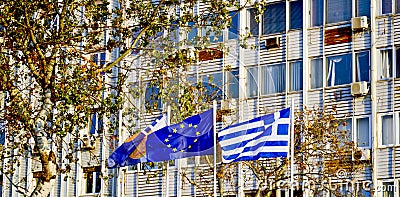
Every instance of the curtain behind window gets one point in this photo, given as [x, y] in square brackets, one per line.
[338, 10]
[316, 73]
[387, 130]
[386, 64]
[274, 79]
[274, 18]
[339, 70]
[296, 76]
[317, 12]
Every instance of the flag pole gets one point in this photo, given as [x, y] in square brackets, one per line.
[292, 148]
[215, 145]
[167, 167]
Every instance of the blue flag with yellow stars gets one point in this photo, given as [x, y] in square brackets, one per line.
[191, 137]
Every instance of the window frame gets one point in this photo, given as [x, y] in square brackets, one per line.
[326, 74]
[321, 76]
[95, 178]
[395, 135]
[327, 9]
[355, 129]
[290, 81]
[381, 7]
[380, 64]
[356, 76]
[255, 79]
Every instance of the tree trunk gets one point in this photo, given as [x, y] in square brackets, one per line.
[47, 156]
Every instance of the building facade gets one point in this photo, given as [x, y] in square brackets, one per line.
[341, 54]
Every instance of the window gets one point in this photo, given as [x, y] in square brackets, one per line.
[232, 80]
[100, 61]
[316, 73]
[296, 14]
[385, 70]
[212, 84]
[363, 132]
[95, 124]
[338, 10]
[233, 30]
[152, 97]
[397, 6]
[398, 63]
[93, 180]
[253, 25]
[362, 66]
[339, 70]
[386, 6]
[317, 9]
[252, 81]
[387, 128]
[296, 76]
[192, 31]
[213, 36]
[363, 8]
[273, 79]
[388, 189]
[274, 20]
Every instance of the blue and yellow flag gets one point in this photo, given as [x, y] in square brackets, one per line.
[191, 137]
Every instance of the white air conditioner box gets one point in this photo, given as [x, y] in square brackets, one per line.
[358, 23]
[362, 154]
[359, 88]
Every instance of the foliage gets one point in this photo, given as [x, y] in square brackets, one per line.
[54, 79]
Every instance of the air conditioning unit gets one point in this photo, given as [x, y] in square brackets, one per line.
[362, 154]
[359, 88]
[271, 43]
[359, 23]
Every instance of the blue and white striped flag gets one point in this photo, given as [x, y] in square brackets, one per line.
[263, 137]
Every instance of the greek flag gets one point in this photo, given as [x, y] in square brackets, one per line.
[263, 137]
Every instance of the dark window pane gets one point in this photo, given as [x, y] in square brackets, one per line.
[397, 6]
[254, 26]
[398, 63]
[296, 14]
[364, 8]
[386, 6]
[274, 18]
[362, 66]
[152, 99]
[317, 12]
[338, 10]
[233, 30]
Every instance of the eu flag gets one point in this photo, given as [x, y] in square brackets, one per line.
[191, 137]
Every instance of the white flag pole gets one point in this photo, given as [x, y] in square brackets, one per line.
[292, 148]
[167, 167]
[215, 145]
